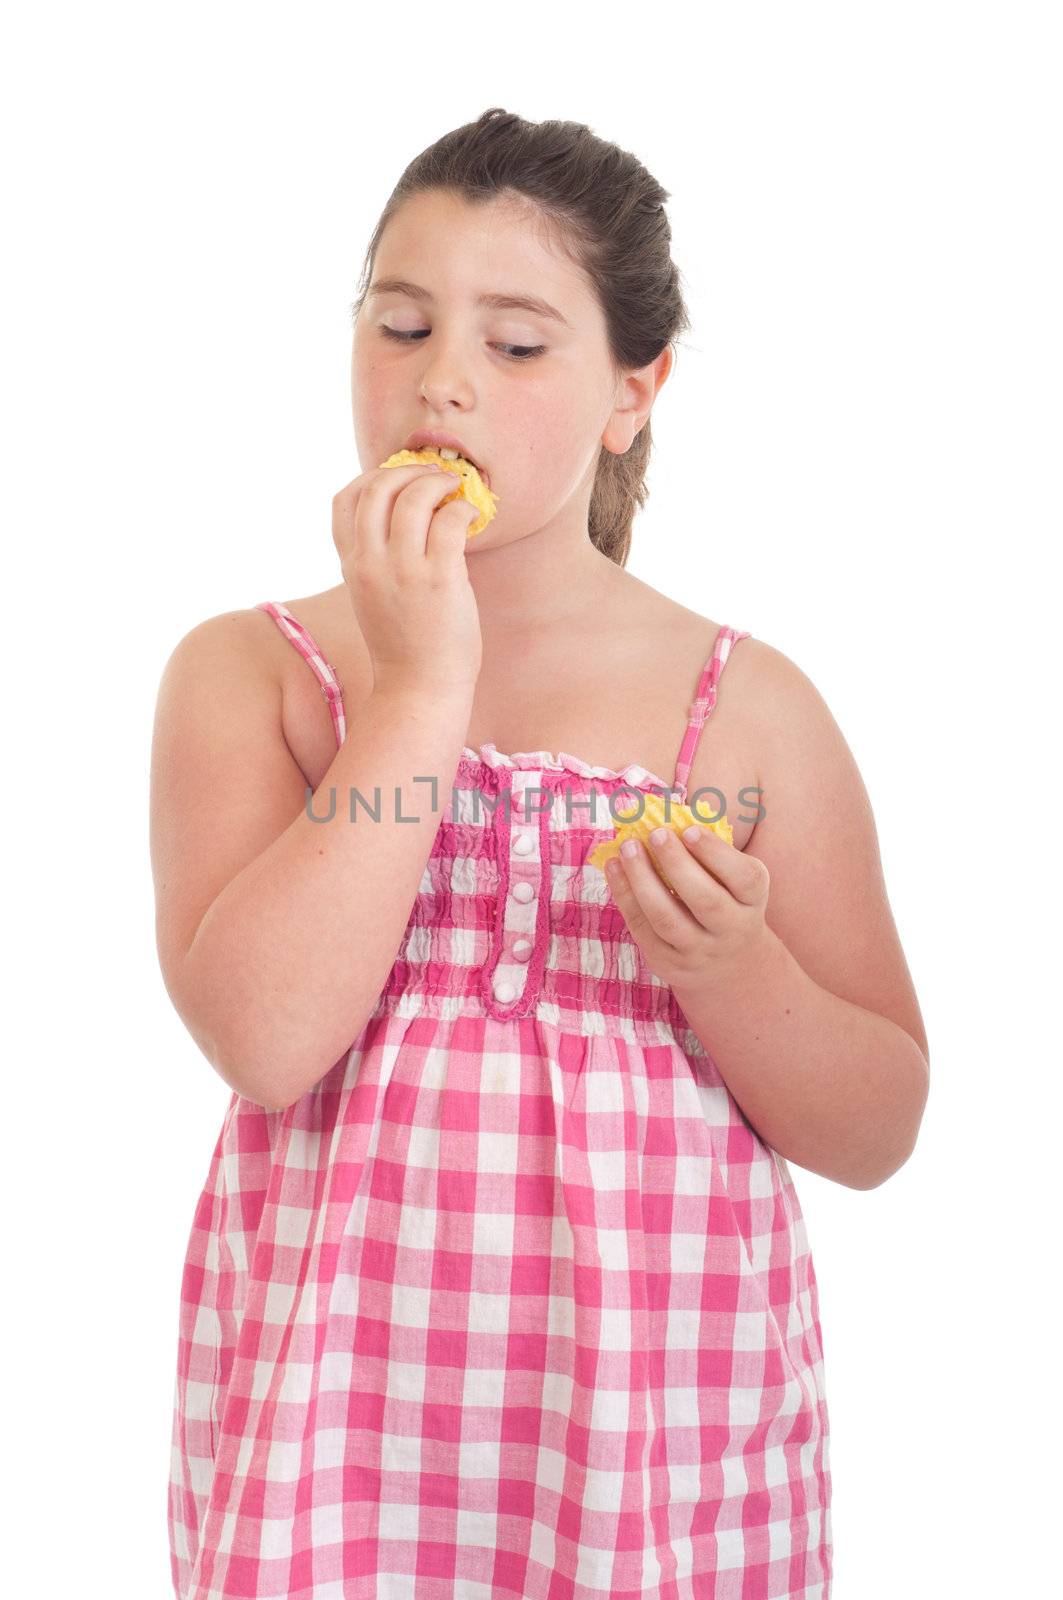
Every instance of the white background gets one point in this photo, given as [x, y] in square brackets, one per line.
[857, 458]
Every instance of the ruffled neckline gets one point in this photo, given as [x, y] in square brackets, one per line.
[638, 776]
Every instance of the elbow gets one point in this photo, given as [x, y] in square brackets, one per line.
[872, 1174]
[248, 1070]
[273, 1082]
[258, 1095]
[268, 1059]
[247, 1059]
[225, 1042]
[274, 1086]
[875, 1177]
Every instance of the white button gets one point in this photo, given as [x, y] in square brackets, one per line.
[523, 843]
[505, 991]
[522, 892]
[522, 949]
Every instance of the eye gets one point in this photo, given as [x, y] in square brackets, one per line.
[524, 352]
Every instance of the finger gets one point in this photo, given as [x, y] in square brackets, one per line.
[741, 875]
[448, 529]
[374, 506]
[345, 506]
[415, 506]
[635, 918]
[650, 899]
[694, 871]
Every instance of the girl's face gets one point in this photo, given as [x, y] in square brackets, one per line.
[531, 396]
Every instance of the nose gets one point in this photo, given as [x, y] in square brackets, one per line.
[444, 375]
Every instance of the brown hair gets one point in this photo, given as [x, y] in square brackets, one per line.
[607, 212]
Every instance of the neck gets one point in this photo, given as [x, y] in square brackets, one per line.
[548, 578]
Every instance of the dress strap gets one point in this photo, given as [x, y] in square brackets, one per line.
[304, 642]
[703, 702]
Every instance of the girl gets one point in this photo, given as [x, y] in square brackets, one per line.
[499, 1283]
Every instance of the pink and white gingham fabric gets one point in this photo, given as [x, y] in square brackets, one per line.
[514, 1304]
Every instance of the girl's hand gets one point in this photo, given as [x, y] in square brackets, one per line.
[403, 562]
[712, 926]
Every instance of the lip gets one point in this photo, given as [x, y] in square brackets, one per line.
[425, 437]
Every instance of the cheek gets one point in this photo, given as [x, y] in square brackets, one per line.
[372, 400]
[543, 435]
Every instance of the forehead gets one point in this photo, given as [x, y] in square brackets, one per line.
[457, 250]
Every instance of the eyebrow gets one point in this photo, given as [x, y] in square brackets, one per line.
[498, 302]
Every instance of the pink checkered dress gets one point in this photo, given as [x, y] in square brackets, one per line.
[514, 1304]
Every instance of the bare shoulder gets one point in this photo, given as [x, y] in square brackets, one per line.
[219, 703]
[770, 672]
[784, 709]
[805, 768]
[749, 663]
[245, 640]
[233, 654]
[660, 618]
[673, 633]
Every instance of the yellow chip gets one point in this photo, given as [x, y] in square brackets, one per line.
[641, 827]
[470, 487]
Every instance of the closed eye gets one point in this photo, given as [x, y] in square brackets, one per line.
[526, 352]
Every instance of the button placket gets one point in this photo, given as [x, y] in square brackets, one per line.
[521, 907]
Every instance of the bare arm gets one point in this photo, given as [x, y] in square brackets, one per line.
[785, 959]
[832, 1085]
[820, 1037]
[276, 932]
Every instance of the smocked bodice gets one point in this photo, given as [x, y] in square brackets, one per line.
[509, 920]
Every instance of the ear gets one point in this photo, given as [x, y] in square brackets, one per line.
[637, 389]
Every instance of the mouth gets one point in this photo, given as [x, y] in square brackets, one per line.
[449, 454]
[452, 452]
